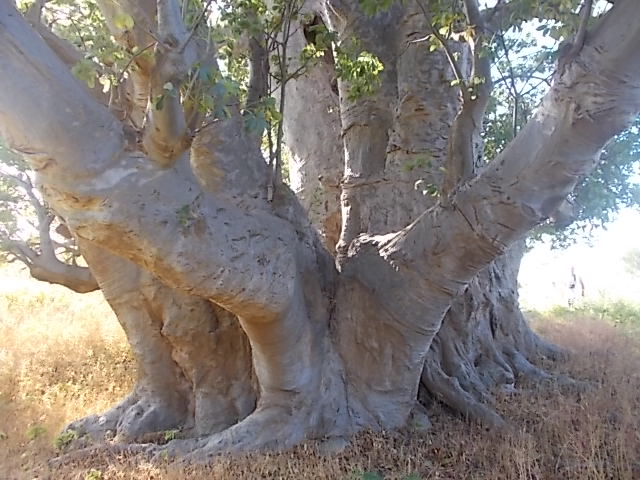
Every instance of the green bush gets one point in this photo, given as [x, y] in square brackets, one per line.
[620, 312]
[64, 439]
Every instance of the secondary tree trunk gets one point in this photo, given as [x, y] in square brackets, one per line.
[193, 360]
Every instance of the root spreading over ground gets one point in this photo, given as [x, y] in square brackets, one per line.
[63, 357]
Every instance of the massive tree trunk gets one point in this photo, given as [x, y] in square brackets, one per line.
[422, 289]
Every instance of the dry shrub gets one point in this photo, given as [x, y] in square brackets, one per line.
[62, 357]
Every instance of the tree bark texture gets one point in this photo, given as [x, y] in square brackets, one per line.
[421, 292]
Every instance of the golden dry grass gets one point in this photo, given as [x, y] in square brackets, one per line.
[62, 356]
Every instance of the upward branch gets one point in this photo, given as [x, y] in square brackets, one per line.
[455, 67]
[463, 141]
[75, 138]
[507, 14]
[573, 49]
[135, 208]
[165, 135]
[164, 52]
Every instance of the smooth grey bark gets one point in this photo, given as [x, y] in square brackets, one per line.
[74, 277]
[485, 345]
[193, 361]
[334, 351]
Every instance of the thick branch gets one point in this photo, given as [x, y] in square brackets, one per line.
[572, 49]
[143, 32]
[412, 276]
[317, 161]
[215, 244]
[79, 279]
[464, 148]
[47, 115]
[45, 217]
[50, 269]
[165, 135]
[507, 14]
[17, 249]
[45, 266]
[156, 81]
[259, 74]
[455, 67]
[366, 121]
[64, 49]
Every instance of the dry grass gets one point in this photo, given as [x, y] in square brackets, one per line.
[62, 356]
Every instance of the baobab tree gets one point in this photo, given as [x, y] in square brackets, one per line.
[262, 315]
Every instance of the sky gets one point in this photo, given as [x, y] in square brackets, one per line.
[545, 274]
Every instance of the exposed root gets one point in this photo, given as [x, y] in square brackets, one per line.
[130, 420]
[448, 390]
[549, 350]
[524, 369]
[485, 345]
[98, 427]
[419, 419]
[333, 445]
[268, 428]
[112, 450]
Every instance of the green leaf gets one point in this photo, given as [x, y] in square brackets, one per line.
[373, 7]
[256, 123]
[64, 439]
[123, 21]
[184, 215]
[171, 434]
[35, 431]
[159, 102]
[360, 69]
[85, 71]
[93, 474]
